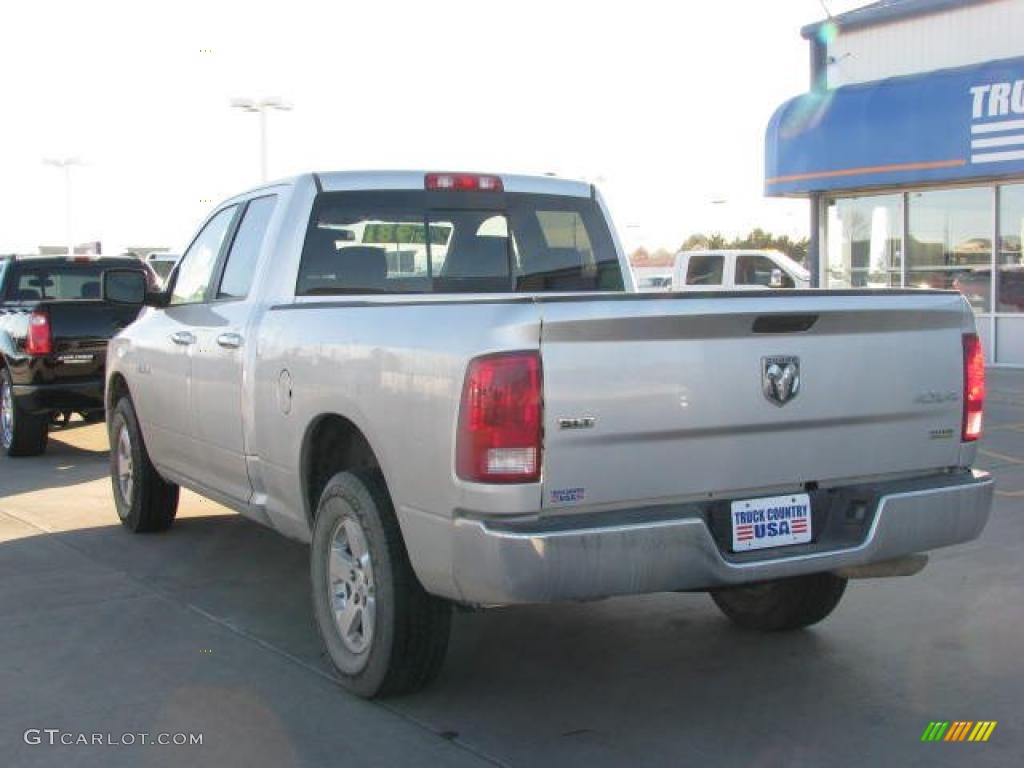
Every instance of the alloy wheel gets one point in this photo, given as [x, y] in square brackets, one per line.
[6, 414]
[351, 585]
[125, 466]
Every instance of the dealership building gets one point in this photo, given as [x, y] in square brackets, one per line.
[910, 146]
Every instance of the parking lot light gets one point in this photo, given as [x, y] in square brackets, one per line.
[261, 106]
[66, 164]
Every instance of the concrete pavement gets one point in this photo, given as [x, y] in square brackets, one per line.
[207, 629]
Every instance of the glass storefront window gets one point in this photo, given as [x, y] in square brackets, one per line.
[864, 236]
[950, 242]
[1010, 262]
[948, 236]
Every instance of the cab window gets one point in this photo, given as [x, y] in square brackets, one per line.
[705, 270]
[758, 270]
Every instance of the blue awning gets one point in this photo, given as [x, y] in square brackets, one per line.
[951, 125]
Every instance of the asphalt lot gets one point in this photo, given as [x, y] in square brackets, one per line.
[207, 629]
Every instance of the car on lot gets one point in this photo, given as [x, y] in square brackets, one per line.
[728, 270]
[515, 423]
[54, 330]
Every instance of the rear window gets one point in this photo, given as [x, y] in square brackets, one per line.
[456, 242]
[56, 282]
[705, 270]
[59, 282]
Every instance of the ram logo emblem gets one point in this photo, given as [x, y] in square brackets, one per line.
[780, 378]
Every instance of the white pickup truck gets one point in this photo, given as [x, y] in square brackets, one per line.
[448, 386]
[737, 270]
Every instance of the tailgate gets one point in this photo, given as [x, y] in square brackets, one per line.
[81, 331]
[651, 399]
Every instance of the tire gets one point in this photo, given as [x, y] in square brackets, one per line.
[145, 501]
[396, 642]
[781, 605]
[21, 433]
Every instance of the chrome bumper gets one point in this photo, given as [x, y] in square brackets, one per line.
[498, 566]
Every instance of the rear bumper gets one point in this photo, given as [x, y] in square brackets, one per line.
[44, 398]
[494, 565]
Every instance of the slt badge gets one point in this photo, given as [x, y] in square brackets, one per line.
[780, 378]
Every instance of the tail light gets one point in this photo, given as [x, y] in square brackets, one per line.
[39, 340]
[500, 427]
[974, 387]
[463, 182]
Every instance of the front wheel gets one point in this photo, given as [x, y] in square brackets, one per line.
[145, 501]
[384, 633]
[21, 433]
[784, 604]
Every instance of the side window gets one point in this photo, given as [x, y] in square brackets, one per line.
[241, 263]
[3, 269]
[197, 264]
[757, 270]
[705, 270]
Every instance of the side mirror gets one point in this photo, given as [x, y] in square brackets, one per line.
[776, 278]
[124, 286]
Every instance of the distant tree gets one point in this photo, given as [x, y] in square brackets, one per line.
[701, 242]
[695, 242]
[639, 257]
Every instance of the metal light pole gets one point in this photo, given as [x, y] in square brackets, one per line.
[261, 107]
[66, 163]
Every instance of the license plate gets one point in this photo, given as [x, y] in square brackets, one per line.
[774, 521]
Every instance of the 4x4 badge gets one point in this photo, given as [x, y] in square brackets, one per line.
[780, 378]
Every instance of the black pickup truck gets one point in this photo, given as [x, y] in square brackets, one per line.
[54, 331]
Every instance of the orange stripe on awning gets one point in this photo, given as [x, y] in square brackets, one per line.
[868, 169]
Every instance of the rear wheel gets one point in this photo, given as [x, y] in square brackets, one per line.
[144, 500]
[383, 632]
[783, 604]
[21, 433]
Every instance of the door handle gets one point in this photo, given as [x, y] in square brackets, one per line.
[184, 338]
[229, 340]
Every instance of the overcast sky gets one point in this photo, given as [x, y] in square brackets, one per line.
[664, 104]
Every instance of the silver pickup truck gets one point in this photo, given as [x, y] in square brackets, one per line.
[447, 384]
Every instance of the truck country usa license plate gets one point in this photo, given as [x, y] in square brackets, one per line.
[775, 521]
